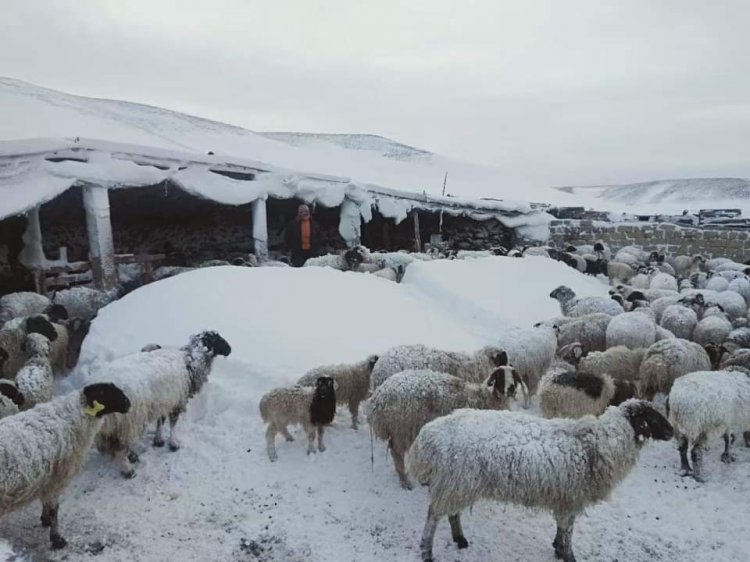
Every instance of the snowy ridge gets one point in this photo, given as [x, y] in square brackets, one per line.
[375, 143]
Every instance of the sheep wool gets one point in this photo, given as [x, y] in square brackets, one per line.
[11, 400]
[17, 305]
[570, 305]
[666, 361]
[620, 363]
[589, 330]
[632, 329]
[712, 329]
[352, 380]
[680, 320]
[663, 281]
[531, 351]
[404, 403]
[83, 302]
[559, 465]
[704, 405]
[35, 380]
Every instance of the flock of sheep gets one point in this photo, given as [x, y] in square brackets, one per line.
[677, 327]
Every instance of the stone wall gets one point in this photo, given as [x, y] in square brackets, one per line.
[668, 238]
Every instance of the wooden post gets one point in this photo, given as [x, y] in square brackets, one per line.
[32, 255]
[101, 244]
[417, 235]
[260, 229]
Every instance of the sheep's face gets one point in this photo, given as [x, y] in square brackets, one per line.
[562, 294]
[36, 345]
[505, 382]
[56, 313]
[498, 357]
[624, 390]
[325, 387]
[215, 344]
[598, 247]
[10, 391]
[371, 360]
[636, 296]
[646, 422]
[105, 398]
[618, 299]
[715, 353]
[354, 257]
[573, 353]
[40, 325]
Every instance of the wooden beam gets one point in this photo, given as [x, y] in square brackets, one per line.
[417, 235]
[101, 244]
[260, 229]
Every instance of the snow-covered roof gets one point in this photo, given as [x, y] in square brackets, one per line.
[125, 144]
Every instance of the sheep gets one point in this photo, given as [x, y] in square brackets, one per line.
[704, 405]
[589, 330]
[732, 303]
[404, 403]
[17, 305]
[619, 272]
[641, 279]
[680, 320]
[666, 361]
[713, 263]
[159, 384]
[350, 260]
[714, 328]
[531, 352]
[741, 286]
[565, 393]
[559, 465]
[661, 304]
[11, 399]
[352, 380]
[471, 367]
[395, 274]
[663, 281]
[717, 283]
[735, 358]
[632, 329]
[311, 407]
[34, 380]
[620, 363]
[12, 336]
[570, 305]
[686, 265]
[83, 302]
[739, 337]
[631, 258]
[43, 448]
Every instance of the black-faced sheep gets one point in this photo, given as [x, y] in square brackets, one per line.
[43, 448]
[559, 465]
[11, 400]
[12, 336]
[352, 380]
[312, 407]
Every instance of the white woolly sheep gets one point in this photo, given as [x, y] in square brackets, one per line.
[663, 282]
[349, 260]
[666, 361]
[43, 448]
[680, 320]
[11, 400]
[352, 380]
[589, 330]
[35, 380]
[17, 305]
[632, 329]
[159, 384]
[472, 367]
[733, 303]
[713, 328]
[83, 302]
[619, 272]
[733, 358]
[620, 363]
[570, 305]
[559, 465]
[704, 405]
[631, 258]
[407, 401]
[739, 337]
[12, 336]
[717, 283]
[531, 351]
[312, 407]
[741, 286]
[661, 304]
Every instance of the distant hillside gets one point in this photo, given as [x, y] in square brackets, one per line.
[373, 143]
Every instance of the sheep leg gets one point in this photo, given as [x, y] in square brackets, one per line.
[746, 435]
[321, 446]
[287, 435]
[726, 456]
[354, 411]
[50, 509]
[696, 455]
[133, 456]
[457, 531]
[684, 464]
[158, 436]
[271, 442]
[121, 458]
[174, 416]
[398, 461]
[428, 535]
[311, 433]
[563, 542]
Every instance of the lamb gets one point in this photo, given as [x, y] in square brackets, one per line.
[620, 363]
[559, 465]
[43, 448]
[704, 405]
[666, 361]
[407, 401]
[11, 400]
[17, 305]
[311, 407]
[589, 330]
[12, 336]
[159, 384]
[713, 328]
[34, 380]
[352, 380]
[570, 305]
[83, 302]
[471, 367]
[632, 329]
[680, 320]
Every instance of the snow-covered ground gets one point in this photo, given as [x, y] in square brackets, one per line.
[219, 498]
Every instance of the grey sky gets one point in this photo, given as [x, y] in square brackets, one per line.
[553, 92]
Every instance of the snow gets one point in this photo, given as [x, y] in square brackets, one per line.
[219, 498]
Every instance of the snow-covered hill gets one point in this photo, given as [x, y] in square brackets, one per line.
[374, 143]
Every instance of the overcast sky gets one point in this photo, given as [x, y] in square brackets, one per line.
[553, 92]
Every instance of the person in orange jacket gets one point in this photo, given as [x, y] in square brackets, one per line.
[302, 237]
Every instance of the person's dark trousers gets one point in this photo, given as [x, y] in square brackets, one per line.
[299, 258]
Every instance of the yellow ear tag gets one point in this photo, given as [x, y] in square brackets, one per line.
[93, 410]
